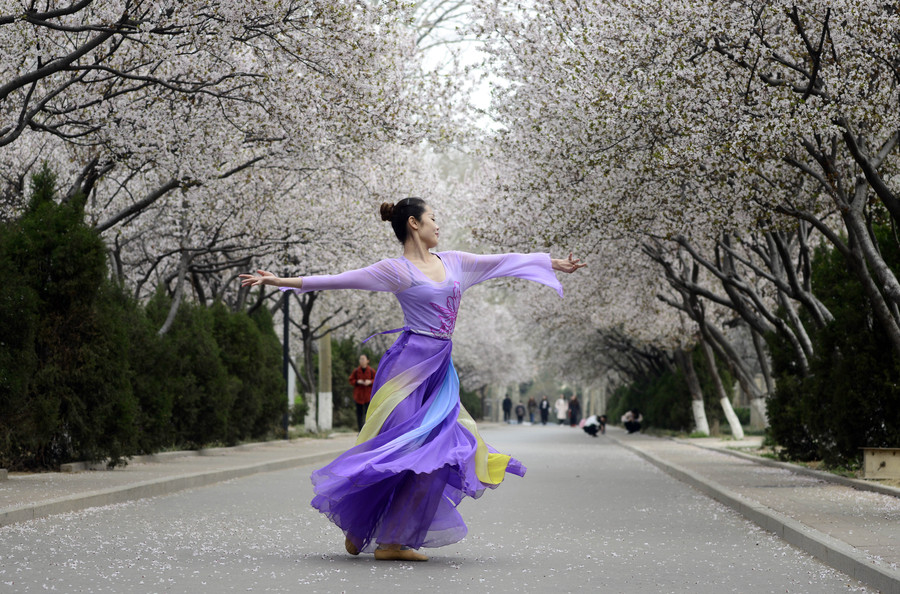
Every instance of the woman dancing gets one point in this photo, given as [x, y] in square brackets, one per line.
[419, 452]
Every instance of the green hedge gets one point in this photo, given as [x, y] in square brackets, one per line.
[664, 399]
[471, 401]
[83, 373]
[850, 398]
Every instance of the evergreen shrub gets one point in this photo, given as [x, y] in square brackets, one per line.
[65, 386]
[850, 399]
[471, 401]
[663, 397]
[84, 374]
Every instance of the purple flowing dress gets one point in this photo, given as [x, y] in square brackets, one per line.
[419, 452]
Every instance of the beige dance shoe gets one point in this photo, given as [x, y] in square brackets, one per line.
[398, 553]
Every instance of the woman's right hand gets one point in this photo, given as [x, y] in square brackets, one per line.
[252, 280]
[569, 265]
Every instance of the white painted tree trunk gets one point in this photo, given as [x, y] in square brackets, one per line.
[758, 405]
[736, 430]
[604, 385]
[291, 387]
[499, 391]
[700, 422]
[683, 359]
[310, 422]
[325, 410]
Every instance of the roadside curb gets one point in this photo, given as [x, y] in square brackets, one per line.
[830, 551]
[857, 484]
[153, 488]
[163, 456]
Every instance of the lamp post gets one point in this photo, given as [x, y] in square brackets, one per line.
[286, 355]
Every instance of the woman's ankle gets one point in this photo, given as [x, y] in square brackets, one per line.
[390, 547]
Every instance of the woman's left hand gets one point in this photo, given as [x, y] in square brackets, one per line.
[252, 280]
[570, 264]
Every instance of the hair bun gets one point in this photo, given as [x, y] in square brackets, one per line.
[387, 211]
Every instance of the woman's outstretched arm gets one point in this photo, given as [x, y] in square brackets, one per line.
[267, 278]
[381, 276]
[534, 267]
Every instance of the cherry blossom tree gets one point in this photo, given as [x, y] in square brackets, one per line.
[739, 135]
[192, 127]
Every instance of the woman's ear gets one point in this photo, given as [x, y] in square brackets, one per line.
[413, 222]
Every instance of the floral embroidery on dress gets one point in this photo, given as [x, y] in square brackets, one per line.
[447, 314]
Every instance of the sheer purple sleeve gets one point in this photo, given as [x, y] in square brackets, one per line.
[381, 276]
[534, 267]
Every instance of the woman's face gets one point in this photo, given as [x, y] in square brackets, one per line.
[428, 230]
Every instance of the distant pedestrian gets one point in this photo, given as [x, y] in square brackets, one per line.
[520, 412]
[544, 407]
[507, 409]
[574, 411]
[591, 425]
[562, 409]
[361, 379]
[532, 406]
[603, 421]
[632, 420]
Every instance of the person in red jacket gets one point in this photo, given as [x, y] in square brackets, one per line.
[361, 380]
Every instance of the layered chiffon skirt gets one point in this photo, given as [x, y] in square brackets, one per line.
[418, 455]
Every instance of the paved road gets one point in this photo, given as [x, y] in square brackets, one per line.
[589, 516]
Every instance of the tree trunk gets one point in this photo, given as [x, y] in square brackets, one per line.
[759, 404]
[309, 422]
[865, 260]
[783, 266]
[725, 350]
[324, 414]
[307, 378]
[736, 430]
[179, 291]
[683, 359]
